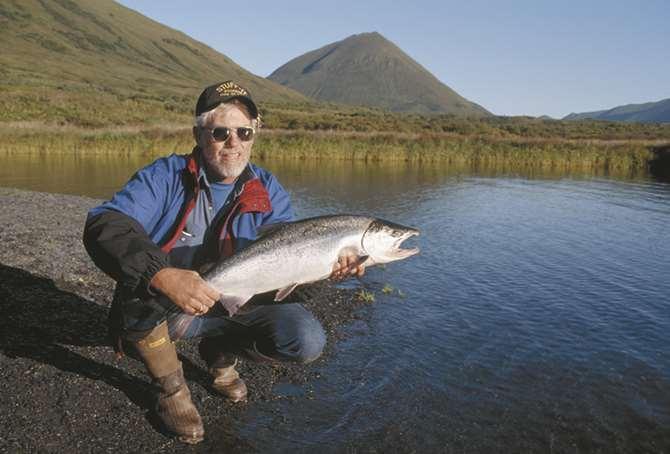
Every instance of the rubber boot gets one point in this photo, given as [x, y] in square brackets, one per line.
[221, 367]
[174, 406]
[228, 383]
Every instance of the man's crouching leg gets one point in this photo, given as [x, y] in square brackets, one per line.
[269, 333]
[174, 406]
[287, 333]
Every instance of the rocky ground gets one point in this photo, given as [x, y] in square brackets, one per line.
[61, 388]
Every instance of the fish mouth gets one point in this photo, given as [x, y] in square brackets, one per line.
[401, 253]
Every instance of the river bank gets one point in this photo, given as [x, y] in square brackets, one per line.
[619, 156]
[61, 388]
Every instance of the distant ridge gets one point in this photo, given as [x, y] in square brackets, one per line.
[367, 69]
[102, 47]
[650, 112]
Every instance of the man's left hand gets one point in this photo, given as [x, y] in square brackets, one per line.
[347, 265]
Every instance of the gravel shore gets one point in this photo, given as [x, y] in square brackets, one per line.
[61, 388]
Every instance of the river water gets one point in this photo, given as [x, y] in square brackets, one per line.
[536, 317]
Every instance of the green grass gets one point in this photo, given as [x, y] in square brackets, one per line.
[365, 296]
[77, 61]
[121, 141]
[618, 156]
[331, 117]
[505, 154]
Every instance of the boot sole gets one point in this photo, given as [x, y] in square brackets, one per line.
[191, 440]
[229, 398]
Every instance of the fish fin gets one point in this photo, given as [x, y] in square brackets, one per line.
[268, 228]
[233, 302]
[359, 261]
[284, 292]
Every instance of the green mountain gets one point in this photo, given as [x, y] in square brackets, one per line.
[367, 69]
[650, 112]
[96, 61]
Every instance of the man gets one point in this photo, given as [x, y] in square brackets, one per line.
[176, 216]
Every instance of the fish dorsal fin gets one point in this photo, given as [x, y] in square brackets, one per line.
[265, 230]
[284, 292]
[233, 302]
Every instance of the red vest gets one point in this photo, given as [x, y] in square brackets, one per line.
[253, 197]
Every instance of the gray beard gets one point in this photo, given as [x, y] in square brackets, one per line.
[221, 172]
[231, 171]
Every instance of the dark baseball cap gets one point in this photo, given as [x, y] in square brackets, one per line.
[222, 92]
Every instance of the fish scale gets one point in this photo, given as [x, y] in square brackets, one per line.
[300, 252]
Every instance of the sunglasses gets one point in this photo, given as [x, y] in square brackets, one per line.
[221, 134]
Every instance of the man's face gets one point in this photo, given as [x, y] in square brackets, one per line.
[225, 160]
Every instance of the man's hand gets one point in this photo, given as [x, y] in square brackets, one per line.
[347, 265]
[186, 289]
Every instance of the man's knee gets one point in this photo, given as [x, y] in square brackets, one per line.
[310, 341]
[303, 337]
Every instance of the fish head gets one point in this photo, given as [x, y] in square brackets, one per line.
[382, 241]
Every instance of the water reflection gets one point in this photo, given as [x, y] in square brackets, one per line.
[91, 174]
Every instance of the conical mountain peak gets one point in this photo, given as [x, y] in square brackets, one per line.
[368, 69]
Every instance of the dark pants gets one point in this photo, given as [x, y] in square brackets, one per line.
[285, 332]
[280, 331]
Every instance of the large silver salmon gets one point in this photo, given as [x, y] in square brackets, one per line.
[287, 255]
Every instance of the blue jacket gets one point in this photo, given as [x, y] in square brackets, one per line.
[130, 236]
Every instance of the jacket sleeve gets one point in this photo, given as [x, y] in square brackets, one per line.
[282, 211]
[117, 233]
[120, 247]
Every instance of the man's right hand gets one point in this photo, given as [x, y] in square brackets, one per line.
[186, 289]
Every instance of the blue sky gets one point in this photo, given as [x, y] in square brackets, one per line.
[513, 58]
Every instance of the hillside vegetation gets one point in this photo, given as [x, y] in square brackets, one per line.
[339, 118]
[97, 63]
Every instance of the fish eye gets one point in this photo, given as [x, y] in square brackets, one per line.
[396, 233]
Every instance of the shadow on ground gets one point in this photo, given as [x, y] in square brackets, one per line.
[42, 321]
[39, 321]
